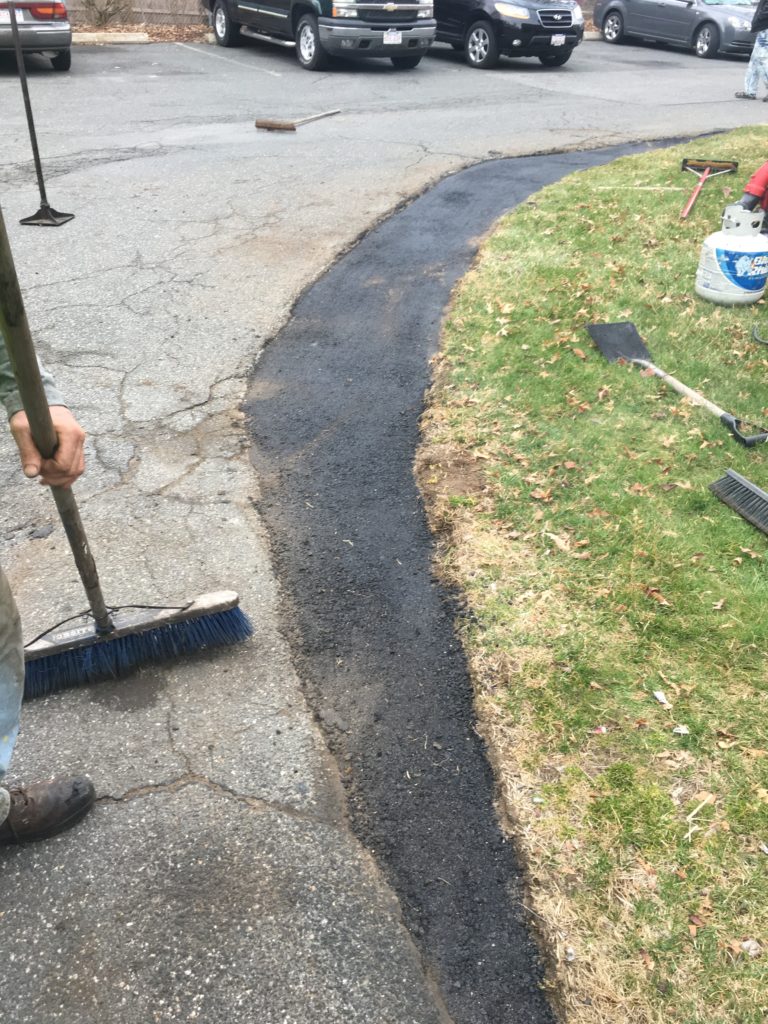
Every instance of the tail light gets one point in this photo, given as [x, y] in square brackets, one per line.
[42, 12]
[47, 12]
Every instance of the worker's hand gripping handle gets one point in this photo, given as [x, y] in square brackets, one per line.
[26, 370]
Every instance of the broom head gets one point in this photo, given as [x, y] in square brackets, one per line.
[72, 655]
[743, 497]
[714, 166]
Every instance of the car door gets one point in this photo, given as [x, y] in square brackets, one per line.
[639, 17]
[268, 16]
[676, 20]
[451, 17]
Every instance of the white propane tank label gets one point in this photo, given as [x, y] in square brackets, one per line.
[745, 270]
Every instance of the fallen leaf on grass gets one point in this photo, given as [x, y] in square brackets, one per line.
[752, 554]
[662, 699]
[656, 595]
[562, 543]
[719, 605]
[578, 352]
[542, 495]
[682, 730]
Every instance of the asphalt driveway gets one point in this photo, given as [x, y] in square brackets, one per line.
[217, 878]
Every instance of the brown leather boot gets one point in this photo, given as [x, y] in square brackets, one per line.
[44, 809]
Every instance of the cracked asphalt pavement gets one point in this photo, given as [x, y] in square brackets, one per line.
[217, 878]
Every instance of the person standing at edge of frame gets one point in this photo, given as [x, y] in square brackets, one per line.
[758, 61]
[42, 809]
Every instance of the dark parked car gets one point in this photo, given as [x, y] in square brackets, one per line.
[708, 27]
[43, 28]
[485, 29]
[402, 31]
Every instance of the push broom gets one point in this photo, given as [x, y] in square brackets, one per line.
[106, 641]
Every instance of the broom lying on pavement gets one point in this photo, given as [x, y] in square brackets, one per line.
[112, 641]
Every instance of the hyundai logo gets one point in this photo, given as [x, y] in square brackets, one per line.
[558, 17]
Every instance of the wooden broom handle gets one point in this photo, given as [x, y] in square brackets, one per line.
[26, 370]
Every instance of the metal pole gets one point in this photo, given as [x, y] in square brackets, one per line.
[46, 216]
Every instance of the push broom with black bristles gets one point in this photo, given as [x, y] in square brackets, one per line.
[108, 641]
[744, 497]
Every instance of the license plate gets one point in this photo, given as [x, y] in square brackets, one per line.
[393, 36]
[5, 17]
[558, 40]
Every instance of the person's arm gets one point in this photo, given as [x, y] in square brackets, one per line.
[756, 189]
[68, 461]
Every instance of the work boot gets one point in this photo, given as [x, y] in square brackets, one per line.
[44, 809]
[745, 96]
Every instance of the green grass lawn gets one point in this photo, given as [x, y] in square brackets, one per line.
[599, 570]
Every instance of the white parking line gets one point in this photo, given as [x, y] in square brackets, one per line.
[230, 60]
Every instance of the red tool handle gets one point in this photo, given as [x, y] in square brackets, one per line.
[695, 194]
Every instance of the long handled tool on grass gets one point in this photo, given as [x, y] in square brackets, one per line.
[112, 641]
[621, 341]
[704, 169]
[744, 497]
[46, 216]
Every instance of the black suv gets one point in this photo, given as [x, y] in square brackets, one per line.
[402, 31]
[485, 29]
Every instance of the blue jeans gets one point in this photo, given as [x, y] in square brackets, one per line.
[11, 683]
[758, 64]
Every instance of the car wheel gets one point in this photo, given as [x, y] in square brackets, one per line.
[555, 60]
[480, 46]
[226, 31]
[309, 49]
[406, 62]
[62, 61]
[706, 40]
[613, 27]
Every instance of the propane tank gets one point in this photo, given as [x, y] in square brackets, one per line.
[734, 261]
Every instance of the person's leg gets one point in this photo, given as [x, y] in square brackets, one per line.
[42, 809]
[751, 75]
[11, 683]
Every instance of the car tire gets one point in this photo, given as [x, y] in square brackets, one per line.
[309, 49]
[225, 31]
[404, 63]
[613, 27]
[555, 60]
[62, 61]
[706, 41]
[481, 48]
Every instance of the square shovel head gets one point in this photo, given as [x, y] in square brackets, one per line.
[619, 341]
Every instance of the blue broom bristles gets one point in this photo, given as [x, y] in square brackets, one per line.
[109, 659]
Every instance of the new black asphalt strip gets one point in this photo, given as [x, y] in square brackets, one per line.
[334, 412]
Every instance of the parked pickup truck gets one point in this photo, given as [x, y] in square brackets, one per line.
[401, 30]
